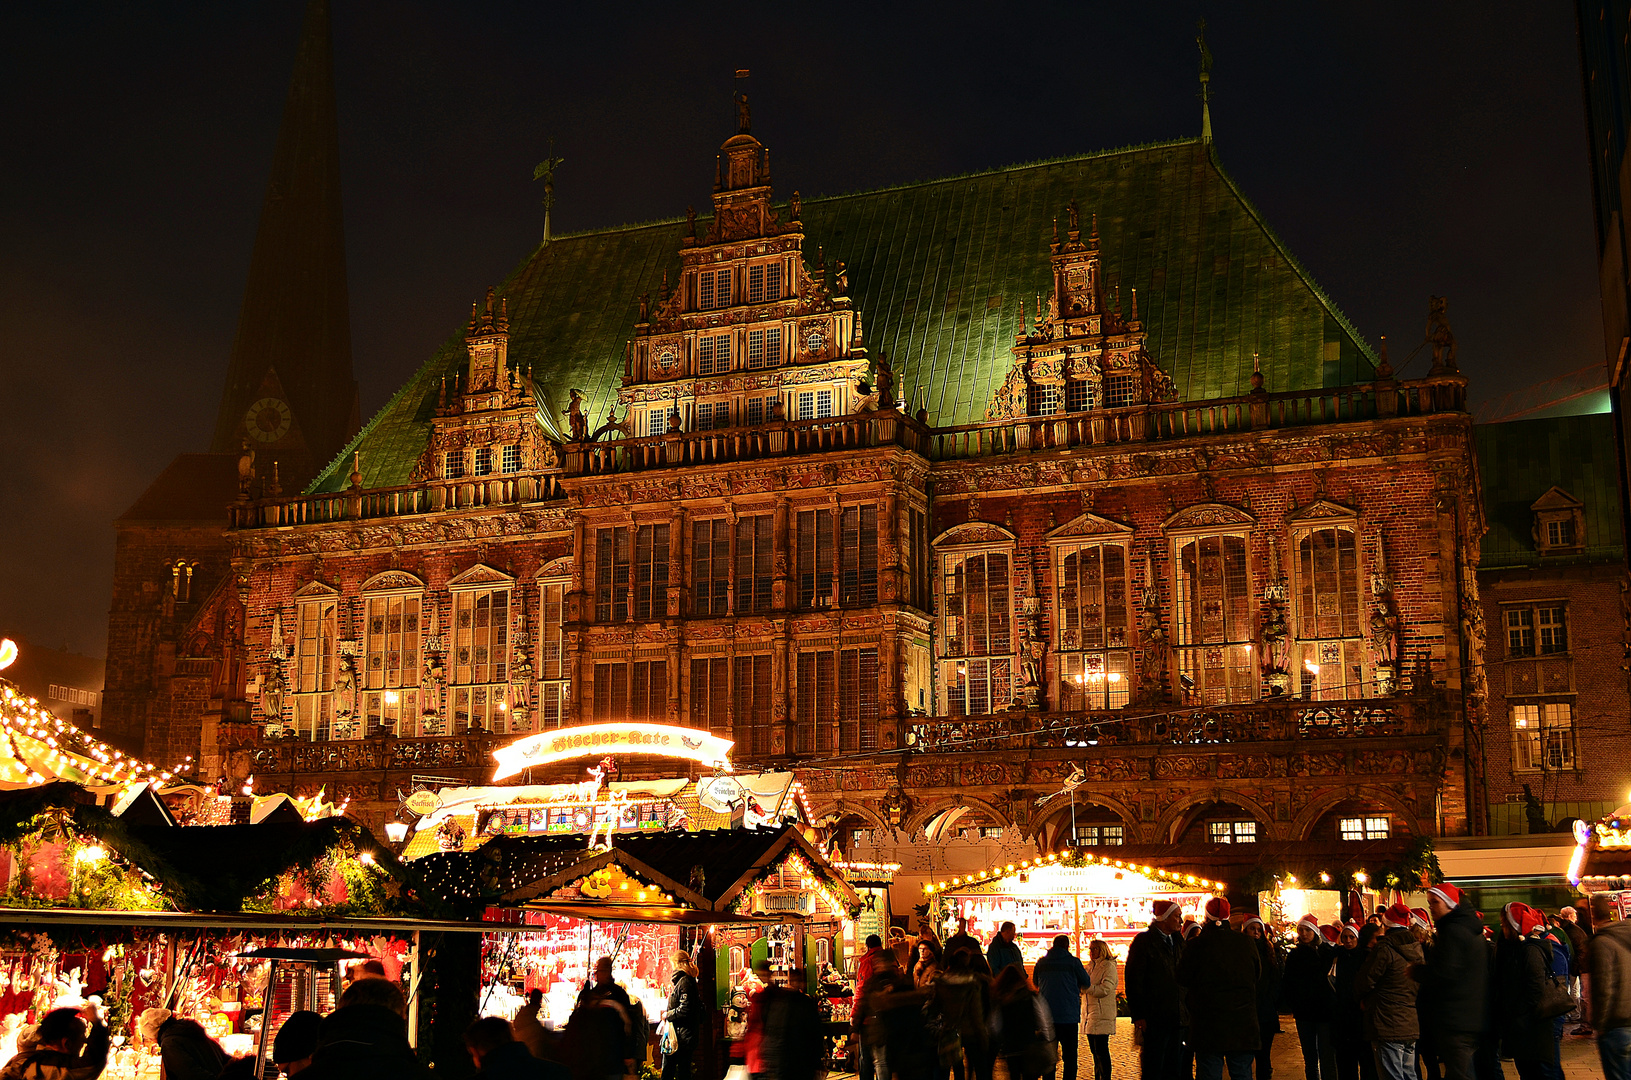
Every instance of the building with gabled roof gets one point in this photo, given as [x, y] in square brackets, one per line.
[1556, 601]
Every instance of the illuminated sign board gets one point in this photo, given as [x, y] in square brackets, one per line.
[601, 740]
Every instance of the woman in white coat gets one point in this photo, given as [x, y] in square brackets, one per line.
[1101, 1006]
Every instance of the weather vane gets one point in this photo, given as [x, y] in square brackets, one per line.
[545, 170]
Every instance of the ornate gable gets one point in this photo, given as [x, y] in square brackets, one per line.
[1320, 510]
[557, 568]
[1556, 499]
[1090, 524]
[1208, 516]
[974, 532]
[392, 581]
[313, 590]
[479, 575]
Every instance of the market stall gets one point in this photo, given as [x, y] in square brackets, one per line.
[1080, 895]
[1601, 862]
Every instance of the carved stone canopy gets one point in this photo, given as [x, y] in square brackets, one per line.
[1207, 516]
[314, 589]
[556, 568]
[974, 532]
[392, 581]
[1090, 524]
[1321, 510]
[481, 574]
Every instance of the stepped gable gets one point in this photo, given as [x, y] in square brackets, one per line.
[939, 270]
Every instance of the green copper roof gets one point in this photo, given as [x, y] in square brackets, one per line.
[1521, 460]
[938, 271]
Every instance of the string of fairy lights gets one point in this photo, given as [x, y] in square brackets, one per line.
[1072, 860]
[62, 748]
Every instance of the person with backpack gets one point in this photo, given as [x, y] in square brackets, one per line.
[1306, 985]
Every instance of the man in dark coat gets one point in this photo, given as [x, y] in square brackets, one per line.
[1387, 990]
[1154, 1000]
[1268, 994]
[1455, 981]
[1060, 978]
[500, 1056]
[1523, 962]
[1219, 972]
[1307, 989]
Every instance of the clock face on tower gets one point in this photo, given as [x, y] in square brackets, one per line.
[268, 419]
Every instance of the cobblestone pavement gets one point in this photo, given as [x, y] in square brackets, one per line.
[1579, 1057]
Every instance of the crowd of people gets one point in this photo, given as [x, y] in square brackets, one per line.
[1409, 994]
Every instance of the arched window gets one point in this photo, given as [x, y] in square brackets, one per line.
[976, 639]
[1092, 626]
[1329, 625]
[479, 690]
[1213, 619]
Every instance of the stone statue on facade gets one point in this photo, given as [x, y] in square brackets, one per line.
[246, 469]
[1276, 637]
[1440, 337]
[1384, 626]
[579, 423]
[1155, 649]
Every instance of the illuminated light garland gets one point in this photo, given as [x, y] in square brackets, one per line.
[63, 747]
[1078, 859]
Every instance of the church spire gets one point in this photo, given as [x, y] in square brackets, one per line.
[289, 383]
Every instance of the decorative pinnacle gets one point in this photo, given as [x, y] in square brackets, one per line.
[1206, 80]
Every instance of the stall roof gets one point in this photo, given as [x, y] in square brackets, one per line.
[640, 913]
[286, 923]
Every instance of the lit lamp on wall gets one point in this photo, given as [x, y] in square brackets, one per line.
[396, 831]
[8, 653]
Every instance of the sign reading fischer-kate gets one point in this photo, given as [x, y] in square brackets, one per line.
[600, 740]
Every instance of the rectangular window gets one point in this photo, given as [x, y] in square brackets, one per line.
[480, 668]
[710, 566]
[1520, 632]
[921, 570]
[636, 692]
[752, 706]
[1120, 391]
[1232, 832]
[1551, 630]
[1100, 835]
[714, 355]
[1543, 735]
[552, 671]
[1080, 396]
[1363, 828]
[391, 658]
[714, 289]
[710, 415]
[858, 556]
[453, 465]
[1093, 627]
[815, 558]
[758, 409]
[316, 642]
[814, 404]
[813, 731]
[484, 460]
[773, 281]
[1560, 533]
[628, 559]
[657, 421]
[858, 699]
[976, 663]
[1044, 401]
[756, 284]
[711, 694]
[1537, 630]
[754, 560]
[1214, 621]
[1329, 616]
[512, 458]
[764, 348]
[390, 711]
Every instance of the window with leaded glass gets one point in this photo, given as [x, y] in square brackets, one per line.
[1100, 835]
[814, 702]
[711, 694]
[480, 670]
[858, 556]
[920, 573]
[1364, 828]
[316, 658]
[713, 414]
[651, 571]
[814, 404]
[1329, 615]
[512, 458]
[657, 421]
[484, 460]
[754, 562]
[453, 465]
[1543, 735]
[1044, 400]
[1092, 625]
[814, 547]
[713, 289]
[631, 562]
[553, 676]
[1536, 629]
[710, 566]
[858, 699]
[1080, 395]
[764, 348]
[764, 283]
[390, 676]
[1120, 390]
[714, 355]
[637, 691]
[976, 637]
[752, 705]
[1231, 832]
[1213, 620]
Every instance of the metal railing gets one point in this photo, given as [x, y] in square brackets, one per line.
[430, 496]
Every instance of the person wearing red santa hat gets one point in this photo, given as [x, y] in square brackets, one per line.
[1454, 981]
[1523, 962]
[1387, 992]
[1308, 990]
[1219, 972]
[1153, 997]
[1268, 992]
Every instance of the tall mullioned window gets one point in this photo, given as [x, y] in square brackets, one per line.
[1214, 620]
[631, 563]
[710, 566]
[316, 658]
[479, 688]
[754, 562]
[554, 680]
[976, 632]
[391, 663]
[1093, 626]
[1329, 614]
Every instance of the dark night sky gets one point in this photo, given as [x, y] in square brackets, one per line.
[1400, 149]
